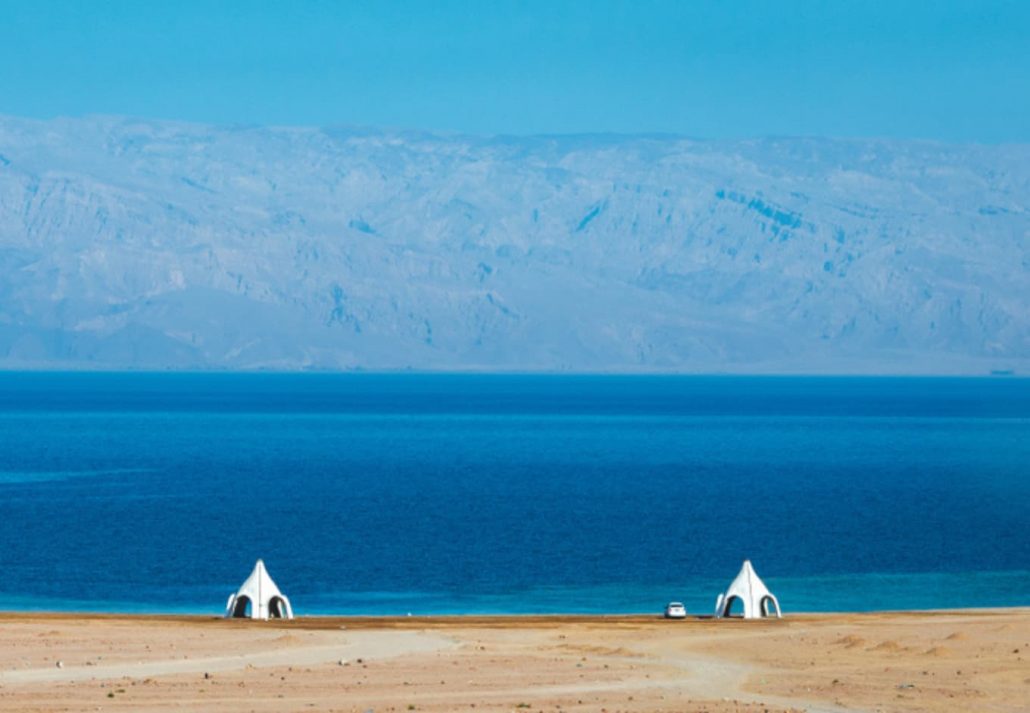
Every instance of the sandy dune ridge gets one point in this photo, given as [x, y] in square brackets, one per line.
[930, 661]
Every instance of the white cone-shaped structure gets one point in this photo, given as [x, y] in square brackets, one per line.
[751, 591]
[258, 598]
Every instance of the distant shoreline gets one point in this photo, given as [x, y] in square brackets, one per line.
[57, 369]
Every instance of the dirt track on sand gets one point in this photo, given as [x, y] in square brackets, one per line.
[942, 661]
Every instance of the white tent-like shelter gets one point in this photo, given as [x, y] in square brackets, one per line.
[758, 601]
[258, 598]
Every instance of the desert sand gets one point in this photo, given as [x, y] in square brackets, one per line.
[939, 661]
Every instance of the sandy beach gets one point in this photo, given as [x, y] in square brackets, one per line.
[940, 661]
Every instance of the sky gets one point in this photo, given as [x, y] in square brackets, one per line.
[947, 69]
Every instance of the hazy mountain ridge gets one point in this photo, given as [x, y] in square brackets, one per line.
[149, 244]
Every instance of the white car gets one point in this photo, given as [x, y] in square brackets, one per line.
[675, 610]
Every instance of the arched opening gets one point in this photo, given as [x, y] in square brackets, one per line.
[276, 608]
[770, 607]
[730, 603]
[242, 608]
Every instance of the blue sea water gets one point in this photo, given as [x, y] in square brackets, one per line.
[388, 494]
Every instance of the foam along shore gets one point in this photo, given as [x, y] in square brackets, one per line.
[941, 661]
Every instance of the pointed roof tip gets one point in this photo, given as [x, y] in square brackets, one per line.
[748, 575]
[259, 570]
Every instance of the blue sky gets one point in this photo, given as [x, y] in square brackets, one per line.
[957, 71]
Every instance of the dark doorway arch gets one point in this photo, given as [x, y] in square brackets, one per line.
[276, 608]
[769, 606]
[242, 608]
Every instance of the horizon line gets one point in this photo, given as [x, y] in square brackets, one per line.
[385, 129]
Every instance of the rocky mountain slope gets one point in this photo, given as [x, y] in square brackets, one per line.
[146, 244]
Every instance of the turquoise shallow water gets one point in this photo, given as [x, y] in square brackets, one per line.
[450, 494]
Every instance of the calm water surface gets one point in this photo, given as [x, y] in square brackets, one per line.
[432, 494]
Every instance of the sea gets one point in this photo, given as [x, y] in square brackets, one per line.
[395, 494]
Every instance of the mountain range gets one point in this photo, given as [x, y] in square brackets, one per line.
[144, 244]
